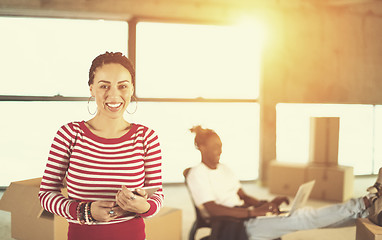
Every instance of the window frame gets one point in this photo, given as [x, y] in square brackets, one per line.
[131, 53]
[132, 56]
[373, 159]
[57, 97]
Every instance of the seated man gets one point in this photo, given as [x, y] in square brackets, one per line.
[217, 192]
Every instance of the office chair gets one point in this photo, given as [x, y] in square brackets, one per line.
[230, 228]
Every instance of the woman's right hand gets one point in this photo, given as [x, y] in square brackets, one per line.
[105, 211]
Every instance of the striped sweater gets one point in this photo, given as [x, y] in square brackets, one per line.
[96, 168]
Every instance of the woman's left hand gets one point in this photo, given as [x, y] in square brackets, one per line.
[132, 202]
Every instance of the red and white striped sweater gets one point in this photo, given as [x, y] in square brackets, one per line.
[97, 167]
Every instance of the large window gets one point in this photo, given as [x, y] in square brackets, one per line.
[377, 146]
[41, 58]
[190, 61]
[186, 75]
[46, 57]
[359, 138]
[200, 74]
[27, 130]
[236, 123]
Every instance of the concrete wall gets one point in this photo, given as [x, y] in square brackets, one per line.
[320, 55]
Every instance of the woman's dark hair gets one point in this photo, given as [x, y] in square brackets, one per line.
[111, 57]
[202, 135]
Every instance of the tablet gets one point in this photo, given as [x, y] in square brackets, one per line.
[150, 190]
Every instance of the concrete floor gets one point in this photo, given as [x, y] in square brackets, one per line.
[178, 197]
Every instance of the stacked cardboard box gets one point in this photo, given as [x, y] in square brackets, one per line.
[366, 230]
[285, 178]
[333, 182]
[29, 221]
[324, 137]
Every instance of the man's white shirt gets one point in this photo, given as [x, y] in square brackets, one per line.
[219, 185]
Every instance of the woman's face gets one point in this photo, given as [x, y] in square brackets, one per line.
[112, 89]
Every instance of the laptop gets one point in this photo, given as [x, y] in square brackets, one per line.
[299, 200]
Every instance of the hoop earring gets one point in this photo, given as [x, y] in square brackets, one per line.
[136, 105]
[89, 107]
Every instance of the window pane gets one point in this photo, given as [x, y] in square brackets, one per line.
[172, 121]
[378, 139]
[189, 61]
[24, 145]
[52, 56]
[27, 132]
[355, 140]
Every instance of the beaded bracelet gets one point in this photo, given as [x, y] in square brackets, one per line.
[86, 213]
[91, 219]
[80, 213]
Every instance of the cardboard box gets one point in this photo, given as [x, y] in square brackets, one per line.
[332, 183]
[366, 230]
[166, 225]
[324, 137]
[30, 222]
[285, 178]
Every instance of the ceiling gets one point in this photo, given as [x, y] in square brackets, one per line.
[192, 10]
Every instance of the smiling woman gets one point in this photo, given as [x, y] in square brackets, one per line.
[107, 162]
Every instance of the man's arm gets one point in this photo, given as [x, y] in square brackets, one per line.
[249, 200]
